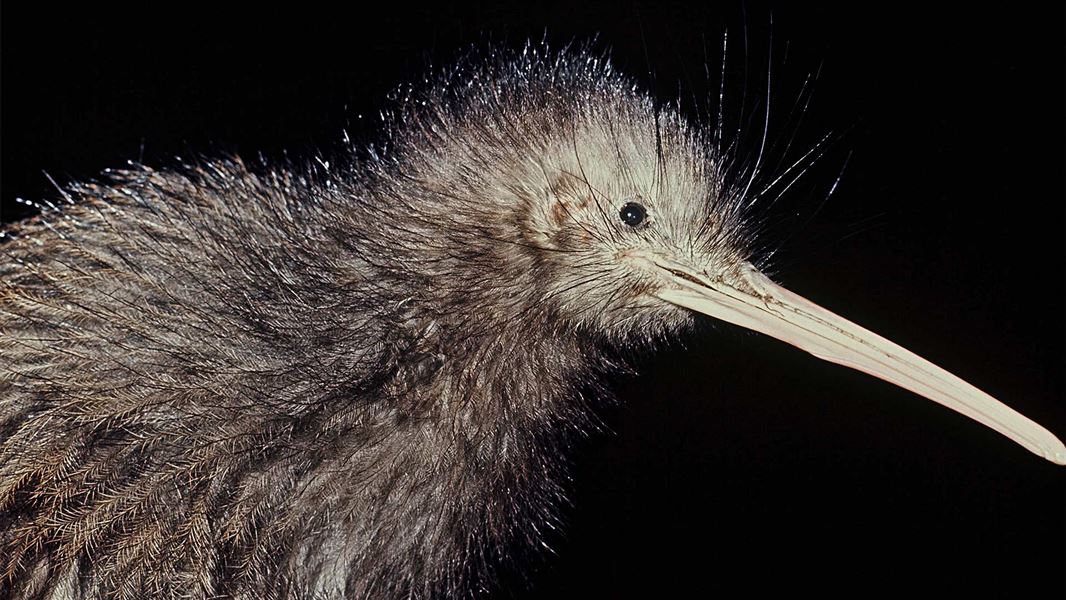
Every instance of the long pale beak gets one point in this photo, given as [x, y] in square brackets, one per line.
[749, 299]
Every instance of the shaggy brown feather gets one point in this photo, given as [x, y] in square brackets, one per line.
[284, 382]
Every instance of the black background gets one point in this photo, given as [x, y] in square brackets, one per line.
[738, 464]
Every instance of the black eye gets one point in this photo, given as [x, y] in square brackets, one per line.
[633, 214]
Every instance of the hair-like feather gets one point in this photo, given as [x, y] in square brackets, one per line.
[357, 380]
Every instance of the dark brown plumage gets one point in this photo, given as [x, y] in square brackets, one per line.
[278, 381]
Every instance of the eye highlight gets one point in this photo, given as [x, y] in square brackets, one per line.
[633, 214]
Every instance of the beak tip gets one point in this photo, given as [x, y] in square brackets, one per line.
[1057, 456]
